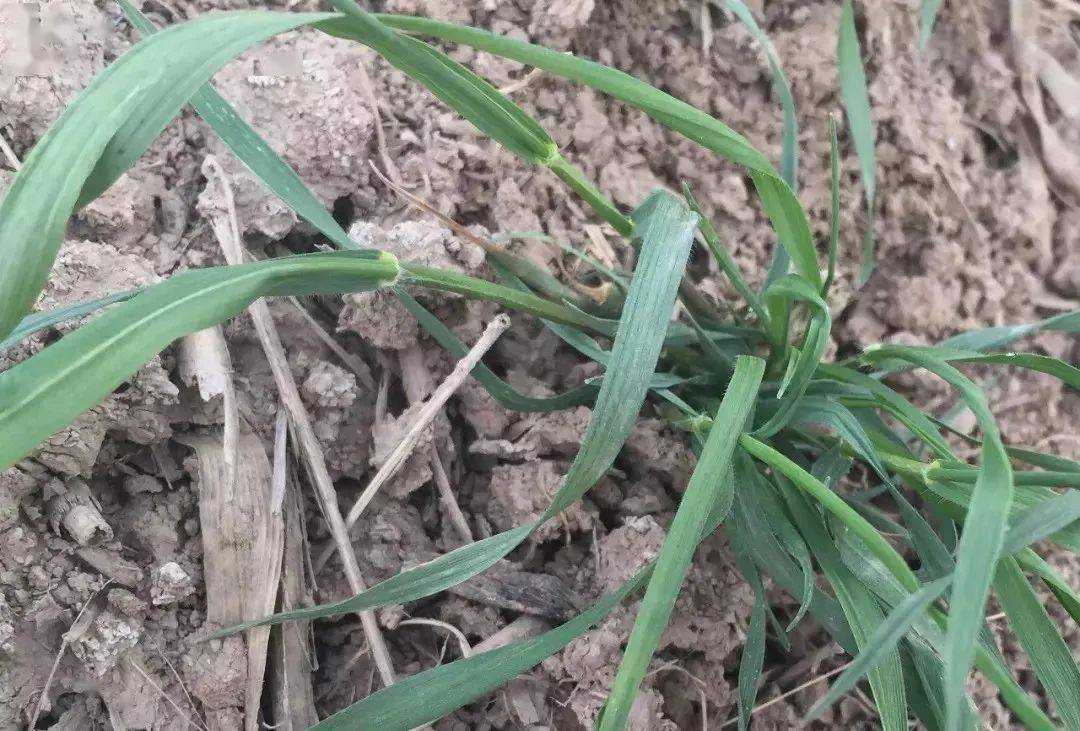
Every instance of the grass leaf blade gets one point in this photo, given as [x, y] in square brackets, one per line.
[252, 150]
[683, 537]
[928, 11]
[1050, 657]
[834, 205]
[863, 613]
[429, 695]
[41, 320]
[789, 134]
[104, 131]
[49, 390]
[857, 108]
[666, 230]
[983, 534]
[991, 338]
[883, 641]
[499, 389]
[783, 208]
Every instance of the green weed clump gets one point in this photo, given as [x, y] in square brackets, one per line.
[774, 425]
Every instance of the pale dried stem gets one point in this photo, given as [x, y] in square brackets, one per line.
[524, 627]
[422, 420]
[161, 692]
[280, 464]
[788, 694]
[176, 674]
[427, 413]
[698, 683]
[78, 627]
[380, 137]
[310, 450]
[446, 493]
[463, 642]
[484, 243]
[355, 364]
[515, 86]
[205, 357]
[9, 154]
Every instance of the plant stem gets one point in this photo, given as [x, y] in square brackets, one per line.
[588, 191]
[835, 505]
[463, 284]
[1014, 695]
[967, 474]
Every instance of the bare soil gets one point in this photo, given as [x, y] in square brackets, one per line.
[977, 224]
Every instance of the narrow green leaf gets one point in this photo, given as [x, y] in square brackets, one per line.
[789, 371]
[588, 192]
[760, 540]
[1042, 521]
[453, 84]
[789, 135]
[523, 301]
[1046, 461]
[898, 406]
[794, 288]
[41, 320]
[1032, 457]
[588, 347]
[890, 590]
[984, 528]
[1024, 498]
[252, 150]
[104, 131]
[49, 390]
[666, 231]
[683, 537]
[1065, 594]
[783, 208]
[1068, 374]
[882, 642]
[473, 98]
[857, 109]
[991, 338]
[927, 669]
[832, 466]
[1050, 657]
[714, 357]
[834, 210]
[752, 659]
[196, 59]
[818, 410]
[724, 258]
[499, 389]
[789, 138]
[833, 503]
[538, 278]
[577, 340]
[928, 11]
[861, 609]
[781, 527]
[431, 694]
[936, 559]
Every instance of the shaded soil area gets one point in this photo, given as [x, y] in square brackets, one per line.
[107, 560]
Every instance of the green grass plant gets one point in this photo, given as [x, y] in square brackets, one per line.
[775, 426]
